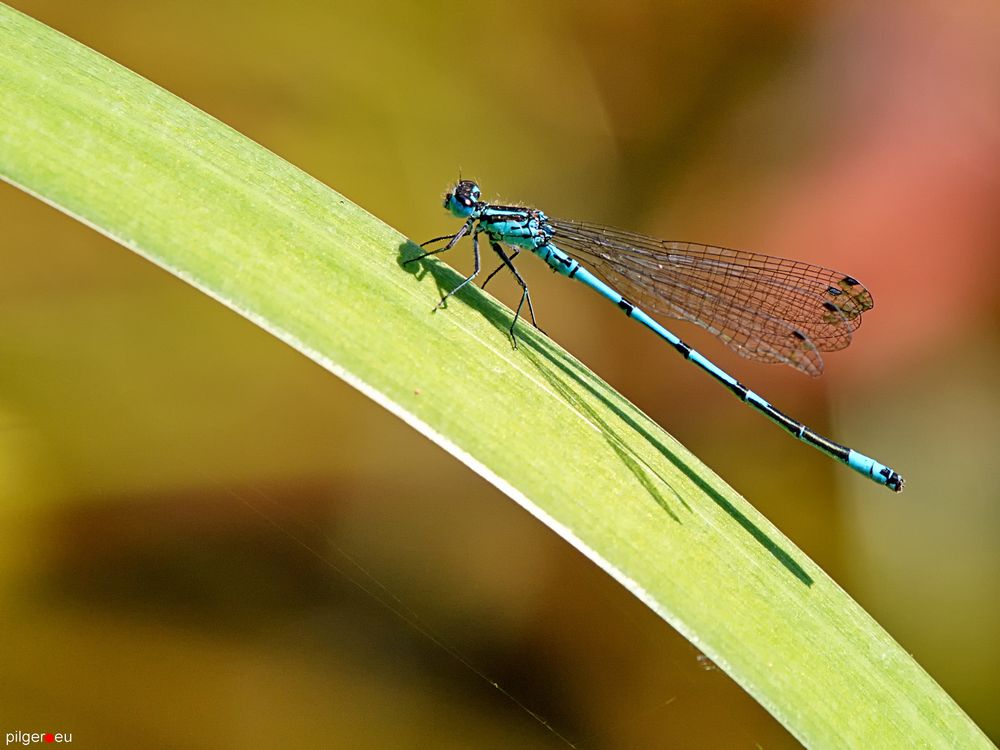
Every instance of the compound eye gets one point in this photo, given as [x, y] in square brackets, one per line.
[467, 193]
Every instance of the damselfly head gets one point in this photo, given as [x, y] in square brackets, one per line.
[463, 199]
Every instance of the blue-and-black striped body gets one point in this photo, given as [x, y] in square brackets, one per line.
[529, 229]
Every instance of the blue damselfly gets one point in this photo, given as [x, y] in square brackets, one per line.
[765, 308]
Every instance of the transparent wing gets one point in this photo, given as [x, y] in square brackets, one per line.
[766, 309]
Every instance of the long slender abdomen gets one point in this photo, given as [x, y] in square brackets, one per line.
[861, 463]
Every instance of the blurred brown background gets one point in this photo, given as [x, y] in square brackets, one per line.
[210, 542]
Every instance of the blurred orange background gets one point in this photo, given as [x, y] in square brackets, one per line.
[211, 542]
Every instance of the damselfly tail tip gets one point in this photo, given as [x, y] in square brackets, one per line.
[895, 482]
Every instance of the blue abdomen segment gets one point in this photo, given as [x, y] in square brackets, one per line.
[565, 264]
[862, 464]
[874, 470]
